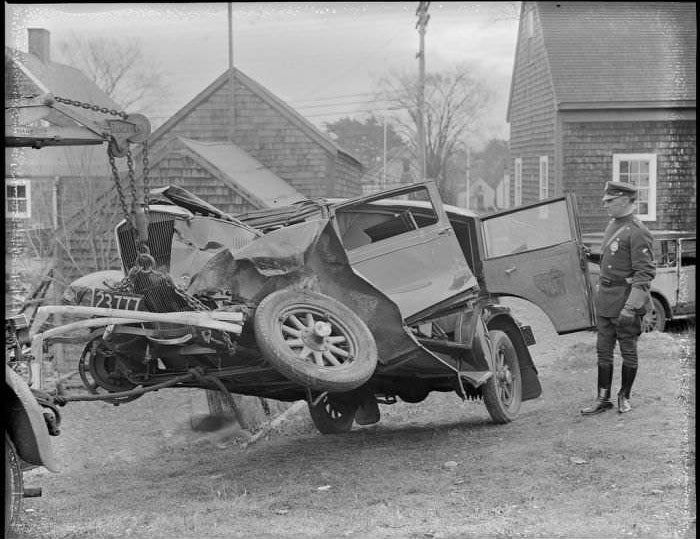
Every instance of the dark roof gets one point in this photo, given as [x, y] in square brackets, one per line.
[27, 73]
[640, 53]
[267, 96]
[242, 172]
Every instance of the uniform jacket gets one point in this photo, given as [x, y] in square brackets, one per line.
[627, 263]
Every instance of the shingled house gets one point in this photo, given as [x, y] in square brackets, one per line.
[606, 91]
[45, 189]
[260, 153]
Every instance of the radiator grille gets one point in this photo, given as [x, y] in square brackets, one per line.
[156, 288]
[160, 236]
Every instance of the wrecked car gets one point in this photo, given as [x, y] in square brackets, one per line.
[342, 303]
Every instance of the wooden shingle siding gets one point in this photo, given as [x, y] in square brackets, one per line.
[532, 112]
[594, 79]
[588, 149]
[269, 136]
[184, 172]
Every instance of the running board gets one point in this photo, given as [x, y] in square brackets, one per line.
[446, 347]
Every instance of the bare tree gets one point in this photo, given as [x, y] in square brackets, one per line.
[455, 102]
[120, 68]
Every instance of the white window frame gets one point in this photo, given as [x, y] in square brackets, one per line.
[544, 177]
[651, 195]
[27, 198]
[518, 182]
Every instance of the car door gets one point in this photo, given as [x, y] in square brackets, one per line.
[535, 252]
[403, 243]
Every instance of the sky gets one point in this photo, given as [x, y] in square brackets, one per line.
[322, 58]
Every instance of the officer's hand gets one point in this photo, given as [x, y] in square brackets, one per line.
[626, 317]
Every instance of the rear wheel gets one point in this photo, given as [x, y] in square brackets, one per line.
[14, 487]
[503, 391]
[332, 415]
[655, 319]
[315, 340]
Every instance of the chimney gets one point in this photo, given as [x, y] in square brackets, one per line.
[39, 44]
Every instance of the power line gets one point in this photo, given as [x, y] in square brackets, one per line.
[333, 97]
[305, 107]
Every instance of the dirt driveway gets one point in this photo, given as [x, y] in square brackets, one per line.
[438, 469]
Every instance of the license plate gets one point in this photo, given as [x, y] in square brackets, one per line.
[112, 300]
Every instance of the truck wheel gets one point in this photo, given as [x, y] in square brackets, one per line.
[654, 320]
[333, 416]
[315, 340]
[14, 488]
[503, 391]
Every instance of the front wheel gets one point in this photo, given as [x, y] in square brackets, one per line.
[503, 391]
[315, 340]
[14, 487]
[332, 415]
[655, 319]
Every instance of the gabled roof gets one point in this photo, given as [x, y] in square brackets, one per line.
[25, 72]
[639, 53]
[25, 75]
[241, 172]
[285, 110]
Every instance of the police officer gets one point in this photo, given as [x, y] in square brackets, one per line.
[622, 295]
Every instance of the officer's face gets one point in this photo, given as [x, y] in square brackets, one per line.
[617, 207]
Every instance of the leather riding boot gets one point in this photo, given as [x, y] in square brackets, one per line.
[603, 401]
[623, 402]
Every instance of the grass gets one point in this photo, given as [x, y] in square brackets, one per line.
[437, 470]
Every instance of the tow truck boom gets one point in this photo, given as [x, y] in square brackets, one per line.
[23, 127]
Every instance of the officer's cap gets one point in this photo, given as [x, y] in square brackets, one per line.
[618, 189]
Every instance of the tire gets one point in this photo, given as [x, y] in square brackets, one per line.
[315, 340]
[503, 391]
[333, 416]
[655, 320]
[14, 487]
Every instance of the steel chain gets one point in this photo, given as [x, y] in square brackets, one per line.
[130, 216]
[126, 285]
[132, 180]
[88, 106]
[146, 180]
[118, 186]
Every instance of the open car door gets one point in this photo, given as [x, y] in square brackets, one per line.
[535, 252]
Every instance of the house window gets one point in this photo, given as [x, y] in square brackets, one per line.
[544, 177]
[638, 169]
[17, 203]
[518, 187]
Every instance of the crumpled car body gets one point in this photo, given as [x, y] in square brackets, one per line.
[343, 303]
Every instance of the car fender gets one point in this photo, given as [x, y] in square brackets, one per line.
[499, 317]
[25, 423]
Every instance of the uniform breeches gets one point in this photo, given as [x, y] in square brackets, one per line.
[609, 332]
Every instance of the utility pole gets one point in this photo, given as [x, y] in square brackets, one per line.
[231, 76]
[384, 155]
[423, 18]
[468, 193]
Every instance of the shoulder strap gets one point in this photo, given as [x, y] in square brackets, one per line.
[615, 235]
